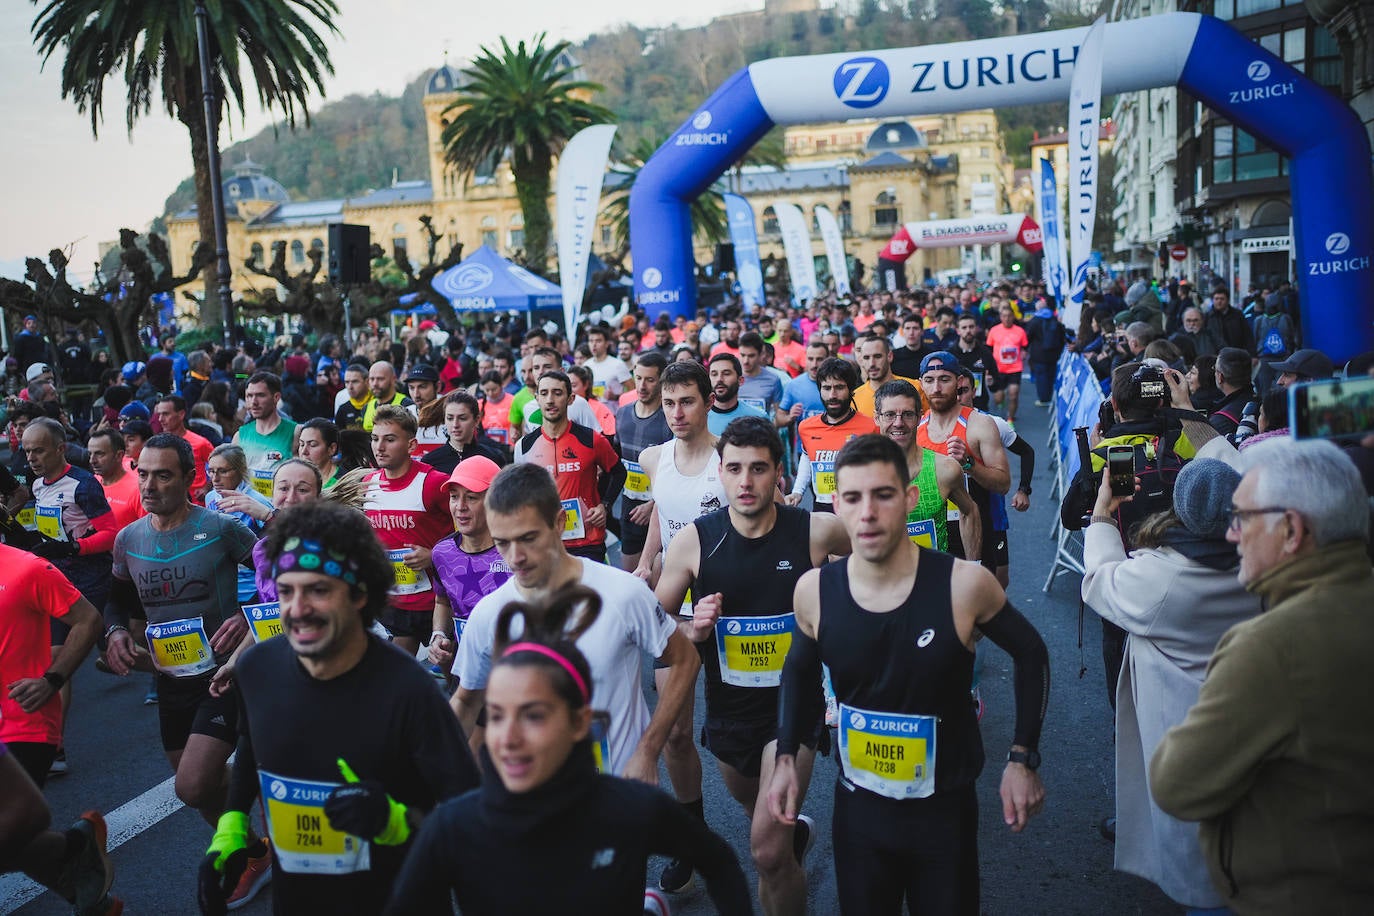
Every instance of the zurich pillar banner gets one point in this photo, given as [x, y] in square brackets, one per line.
[834, 250]
[744, 236]
[1085, 107]
[581, 170]
[1249, 86]
[796, 244]
[1055, 271]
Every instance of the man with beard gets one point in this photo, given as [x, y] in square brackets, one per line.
[975, 356]
[729, 340]
[822, 437]
[724, 371]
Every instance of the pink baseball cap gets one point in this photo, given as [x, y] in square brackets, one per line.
[475, 474]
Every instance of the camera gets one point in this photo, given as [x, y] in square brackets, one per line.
[1147, 389]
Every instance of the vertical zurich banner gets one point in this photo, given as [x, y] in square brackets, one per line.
[581, 170]
[834, 249]
[1085, 106]
[743, 235]
[796, 244]
[1052, 232]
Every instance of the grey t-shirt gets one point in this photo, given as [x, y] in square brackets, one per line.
[190, 571]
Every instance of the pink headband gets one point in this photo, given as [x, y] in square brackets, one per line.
[563, 662]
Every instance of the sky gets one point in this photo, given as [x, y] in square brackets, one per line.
[67, 189]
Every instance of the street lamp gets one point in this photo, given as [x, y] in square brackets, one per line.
[207, 85]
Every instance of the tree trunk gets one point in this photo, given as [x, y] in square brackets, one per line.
[532, 188]
[191, 112]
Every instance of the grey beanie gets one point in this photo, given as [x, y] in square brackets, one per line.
[1137, 292]
[1202, 496]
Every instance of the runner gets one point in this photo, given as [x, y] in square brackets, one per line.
[524, 411]
[116, 474]
[874, 356]
[975, 356]
[467, 562]
[381, 382]
[344, 738]
[271, 438]
[354, 400]
[317, 441]
[895, 625]
[78, 528]
[724, 371]
[177, 565]
[587, 470]
[525, 516]
[422, 382]
[758, 386]
[801, 397]
[609, 374]
[1008, 342]
[170, 413]
[967, 436]
[821, 437]
[937, 478]
[495, 409]
[542, 811]
[408, 510]
[638, 426]
[996, 544]
[462, 427]
[740, 565]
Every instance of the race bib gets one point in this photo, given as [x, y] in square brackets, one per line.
[180, 647]
[28, 516]
[636, 481]
[951, 511]
[977, 383]
[261, 480]
[758, 403]
[264, 620]
[752, 649]
[823, 476]
[922, 533]
[304, 842]
[499, 434]
[601, 741]
[599, 391]
[573, 525]
[48, 521]
[889, 754]
[407, 581]
[1008, 355]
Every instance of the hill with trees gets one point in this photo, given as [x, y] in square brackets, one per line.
[652, 79]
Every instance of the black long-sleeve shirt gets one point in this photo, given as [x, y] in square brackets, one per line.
[578, 845]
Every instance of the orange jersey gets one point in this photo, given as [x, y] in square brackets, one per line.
[822, 442]
[960, 431]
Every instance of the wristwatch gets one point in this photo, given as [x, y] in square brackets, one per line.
[1029, 759]
[1025, 489]
[55, 678]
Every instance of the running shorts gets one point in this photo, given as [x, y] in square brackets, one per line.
[739, 745]
[185, 707]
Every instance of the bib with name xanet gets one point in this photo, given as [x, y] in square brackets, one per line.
[753, 649]
[889, 754]
[180, 647]
[304, 842]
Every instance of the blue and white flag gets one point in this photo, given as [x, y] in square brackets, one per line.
[834, 249]
[744, 236]
[796, 245]
[581, 171]
[1055, 271]
[1085, 112]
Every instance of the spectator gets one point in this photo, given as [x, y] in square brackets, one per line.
[29, 345]
[1303, 366]
[1202, 384]
[1227, 325]
[1175, 596]
[1233, 378]
[1047, 338]
[1272, 759]
[220, 396]
[197, 375]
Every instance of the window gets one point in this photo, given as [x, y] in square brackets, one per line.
[297, 251]
[845, 219]
[489, 238]
[317, 244]
[517, 238]
[886, 213]
[256, 254]
[1237, 156]
[488, 222]
[770, 221]
[984, 153]
[398, 244]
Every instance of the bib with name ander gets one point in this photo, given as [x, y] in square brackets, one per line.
[889, 754]
[303, 841]
[752, 649]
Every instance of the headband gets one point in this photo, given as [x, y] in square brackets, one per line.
[566, 665]
[301, 555]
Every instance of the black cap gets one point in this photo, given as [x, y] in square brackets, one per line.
[1309, 363]
[422, 372]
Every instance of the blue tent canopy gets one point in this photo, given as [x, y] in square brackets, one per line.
[486, 282]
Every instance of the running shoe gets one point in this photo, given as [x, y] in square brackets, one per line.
[58, 767]
[803, 837]
[676, 877]
[255, 877]
[1042, 403]
[655, 904]
[85, 879]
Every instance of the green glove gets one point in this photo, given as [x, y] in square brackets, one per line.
[363, 808]
[231, 835]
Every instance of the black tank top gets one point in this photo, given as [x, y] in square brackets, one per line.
[909, 660]
[757, 577]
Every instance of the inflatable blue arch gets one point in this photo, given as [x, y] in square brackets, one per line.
[1328, 150]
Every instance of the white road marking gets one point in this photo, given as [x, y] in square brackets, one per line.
[124, 823]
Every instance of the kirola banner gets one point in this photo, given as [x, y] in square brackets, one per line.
[581, 170]
[834, 249]
[796, 244]
[744, 236]
[1333, 241]
[1085, 107]
[1055, 270]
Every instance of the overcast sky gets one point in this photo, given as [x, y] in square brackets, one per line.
[65, 189]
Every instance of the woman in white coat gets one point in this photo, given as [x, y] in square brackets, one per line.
[1175, 595]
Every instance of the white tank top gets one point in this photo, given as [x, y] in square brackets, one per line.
[680, 499]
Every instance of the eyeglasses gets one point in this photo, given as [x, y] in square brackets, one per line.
[887, 416]
[1236, 517]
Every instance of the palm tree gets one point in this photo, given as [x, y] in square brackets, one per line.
[152, 44]
[522, 101]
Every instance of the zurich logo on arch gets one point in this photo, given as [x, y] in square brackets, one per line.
[1258, 71]
[652, 277]
[702, 120]
[1337, 243]
[862, 82]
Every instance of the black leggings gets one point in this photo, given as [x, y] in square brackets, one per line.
[35, 758]
[924, 851]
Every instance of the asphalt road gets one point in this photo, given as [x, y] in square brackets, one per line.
[1059, 865]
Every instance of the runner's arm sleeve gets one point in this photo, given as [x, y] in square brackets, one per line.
[102, 536]
[687, 838]
[243, 778]
[1011, 631]
[613, 480]
[122, 604]
[800, 702]
[1026, 452]
[803, 476]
